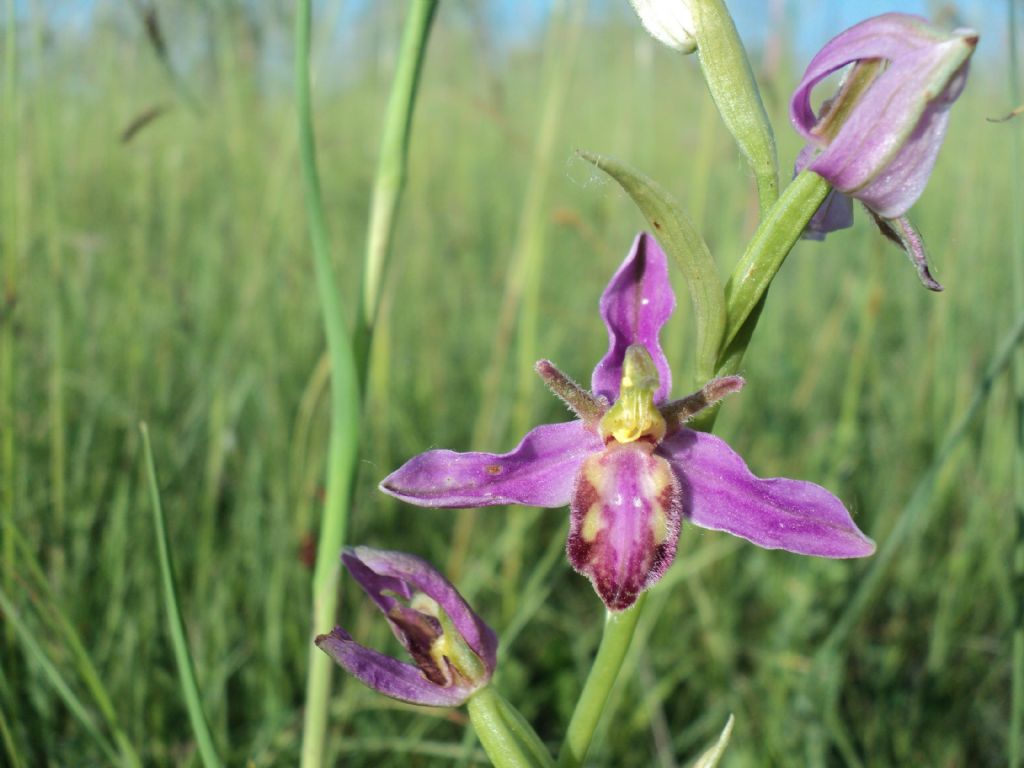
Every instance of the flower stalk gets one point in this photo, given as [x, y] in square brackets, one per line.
[348, 359]
[730, 79]
[391, 173]
[705, 26]
[619, 628]
[343, 443]
[508, 740]
[761, 261]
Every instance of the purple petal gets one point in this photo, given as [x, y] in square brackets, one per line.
[719, 492]
[389, 676]
[835, 211]
[886, 148]
[377, 569]
[804, 158]
[892, 192]
[539, 472]
[416, 631]
[635, 305]
[625, 521]
[901, 232]
[890, 36]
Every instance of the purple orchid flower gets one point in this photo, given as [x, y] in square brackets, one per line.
[453, 649]
[877, 139]
[627, 467]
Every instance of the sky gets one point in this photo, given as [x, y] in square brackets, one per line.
[517, 21]
[817, 20]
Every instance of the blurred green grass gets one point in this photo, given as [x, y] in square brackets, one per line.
[168, 279]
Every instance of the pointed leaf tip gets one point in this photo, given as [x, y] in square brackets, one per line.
[684, 244]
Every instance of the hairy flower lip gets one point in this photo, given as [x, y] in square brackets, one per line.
[628, 499]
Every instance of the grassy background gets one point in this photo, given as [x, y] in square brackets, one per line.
[168, 279]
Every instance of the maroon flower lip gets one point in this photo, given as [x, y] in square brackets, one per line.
[629, 469]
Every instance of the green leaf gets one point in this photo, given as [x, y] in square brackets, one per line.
[711, 757]
[684, 244]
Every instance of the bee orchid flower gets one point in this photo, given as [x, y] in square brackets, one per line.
[877, 138]
[628, 467]
[453, 649]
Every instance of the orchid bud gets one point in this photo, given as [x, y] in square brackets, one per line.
[453, 649]
[668, 21]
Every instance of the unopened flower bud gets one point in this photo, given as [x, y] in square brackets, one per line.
[669, 21]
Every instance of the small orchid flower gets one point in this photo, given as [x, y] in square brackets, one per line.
[628, 468]
[877, 139]
[453, 649]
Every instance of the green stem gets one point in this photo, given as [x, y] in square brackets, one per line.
[8, 298]
[349, 358]
[774, 239]
[1015, 747]
[343, 444]
[506, 737]
[618, 632]
[747, 289]
[730, 79]
[391, 172]
[176, 625]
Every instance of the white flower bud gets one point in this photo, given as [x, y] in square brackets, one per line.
[669, 21]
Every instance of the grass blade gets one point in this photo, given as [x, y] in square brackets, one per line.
[53, 675]
[349, 356]
[41, 594]
[915, 514]
[7, 736]
[186, 669]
